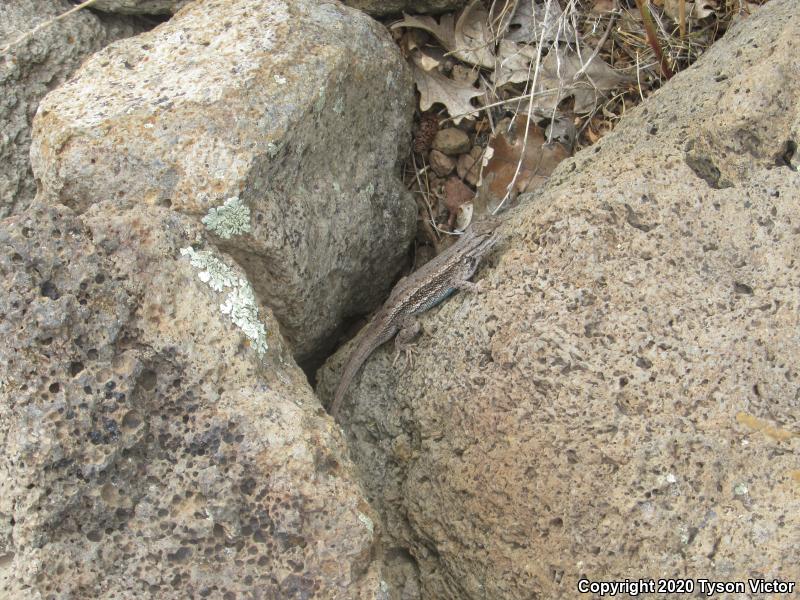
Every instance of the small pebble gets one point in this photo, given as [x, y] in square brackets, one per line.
[441, 164]
[451, 141]
[467, 167]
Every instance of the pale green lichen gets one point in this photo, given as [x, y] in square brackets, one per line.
[240, 304]
[213, 271]
[232, 218]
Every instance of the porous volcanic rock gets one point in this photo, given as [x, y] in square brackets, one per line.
[31, 67]
[252, 116]
[381, 8]
[622, 400]
[135, 7]
[158, 440]
[376, 8]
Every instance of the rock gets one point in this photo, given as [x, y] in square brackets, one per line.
[233, 114]
[381, 8]
[451, 141]
[456, 194]
[468, 165]
[621, 400]
[32, 67]
[135, 7]
[158, 439]
[441, 164]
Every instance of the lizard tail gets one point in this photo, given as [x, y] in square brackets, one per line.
[357, 358]
[349, 372]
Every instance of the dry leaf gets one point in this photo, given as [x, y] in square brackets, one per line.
[535, 161]
[514, 63]
[502, 11]
[456, 193]
[473, 36]
[531, 22]
[561, 129]
[435, 87]
[557, 80]
[463, 74]
[468, 39]
[427, 62]
[444, 31]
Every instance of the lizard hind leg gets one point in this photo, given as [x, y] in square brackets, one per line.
[403, 341]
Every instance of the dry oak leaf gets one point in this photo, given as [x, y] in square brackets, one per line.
[534, 158]
[514, 63]
[468, 38]
[436, 87]
[562, 74]
[528, 22]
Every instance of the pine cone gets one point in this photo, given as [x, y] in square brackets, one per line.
[428, 126]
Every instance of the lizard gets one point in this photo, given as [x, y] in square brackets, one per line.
[425, 288]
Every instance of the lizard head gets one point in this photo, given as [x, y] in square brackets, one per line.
[479, 239]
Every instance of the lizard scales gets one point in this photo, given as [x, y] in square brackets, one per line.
[420, 291]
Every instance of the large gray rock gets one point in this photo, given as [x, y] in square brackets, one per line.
[158, 440]
[32, 67]
[376, 8]
[380, 8]
[622, 400]
[279, 124]
[135, 7]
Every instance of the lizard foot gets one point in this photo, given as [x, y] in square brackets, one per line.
[475, 288]
[403, 342]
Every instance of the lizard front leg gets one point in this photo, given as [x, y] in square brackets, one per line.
[468, 286]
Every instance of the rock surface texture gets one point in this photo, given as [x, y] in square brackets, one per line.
[135, 7]
[31, 68]
[380, 8]
[622, 401]
[252, 116]
[158, 440]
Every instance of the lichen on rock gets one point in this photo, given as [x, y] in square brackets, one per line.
[145, 455]
[157, 129]
[230, 219]
[240, 304]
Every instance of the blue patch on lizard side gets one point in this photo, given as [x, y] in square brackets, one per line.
[435, 300]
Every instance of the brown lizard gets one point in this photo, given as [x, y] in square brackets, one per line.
[418, 292]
